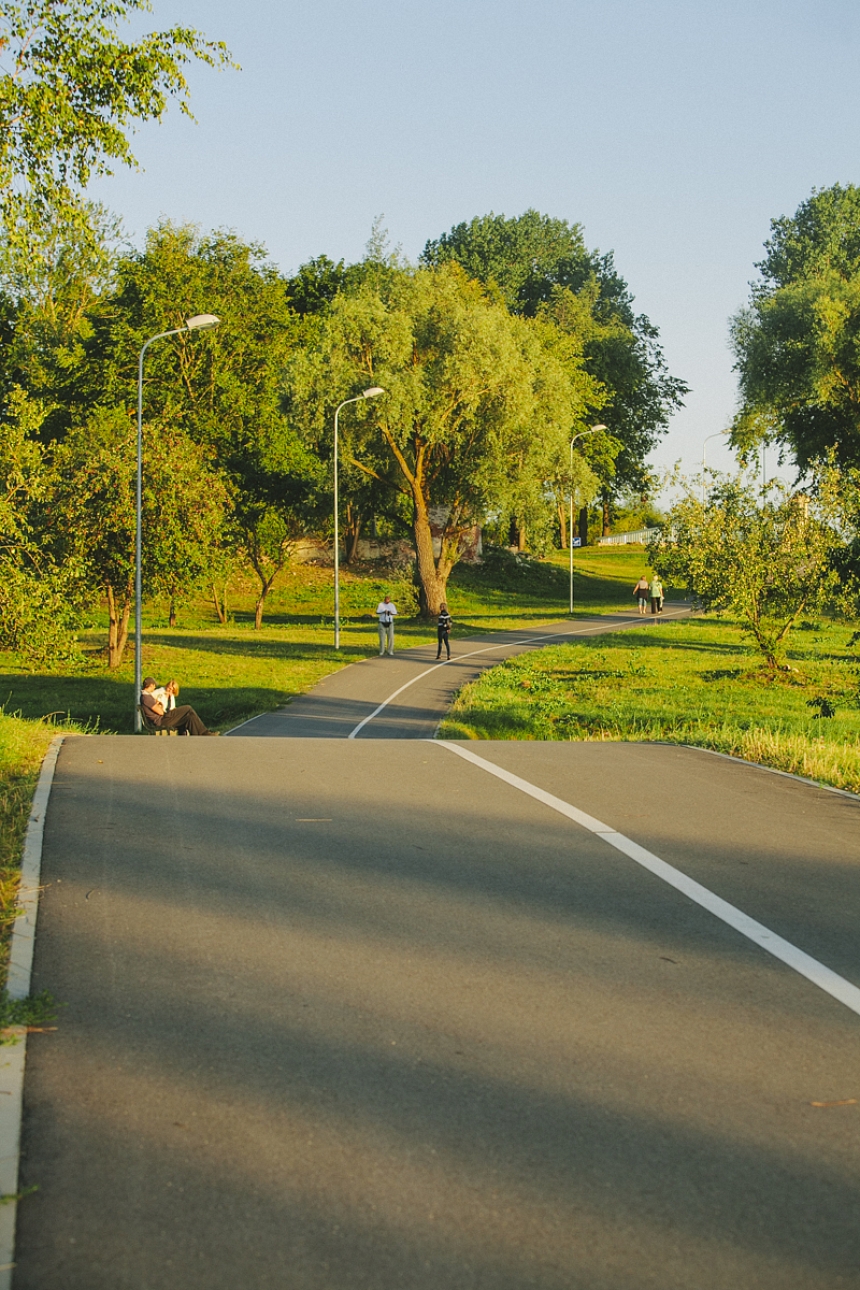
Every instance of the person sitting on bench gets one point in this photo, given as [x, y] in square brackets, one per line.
[182, 719]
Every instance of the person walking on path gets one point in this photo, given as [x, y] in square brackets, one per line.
[656, 590]
[386, 612]
[443, 631]
[183, 719]
[642, 593]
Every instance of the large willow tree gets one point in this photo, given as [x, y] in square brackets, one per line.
[479, 405]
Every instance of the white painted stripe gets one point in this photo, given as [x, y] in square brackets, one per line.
[13, 1057]
[808, 967]
[583, 631]
[256, 717]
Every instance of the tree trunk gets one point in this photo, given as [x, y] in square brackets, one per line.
[117, 627]
[583, 526]
[265, 587]
[431, 589]
[171, 617]
[562, 525]
[354, 533]
[606, 520]
[521, 537]
[220, 605]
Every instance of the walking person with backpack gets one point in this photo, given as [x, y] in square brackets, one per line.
[443, 631]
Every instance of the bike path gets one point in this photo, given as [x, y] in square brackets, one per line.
[361, 1016]
[415, 690]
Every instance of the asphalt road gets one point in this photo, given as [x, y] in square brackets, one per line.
[346, 1015]
[347, 703]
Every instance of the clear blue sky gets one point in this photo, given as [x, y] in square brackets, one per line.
[673, 132]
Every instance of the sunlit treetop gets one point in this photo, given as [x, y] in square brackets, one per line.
[71, 90]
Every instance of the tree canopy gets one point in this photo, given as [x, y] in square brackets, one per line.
[767, 559]
[797, 343]
[478, 404]
[71, 89]
[541, 265]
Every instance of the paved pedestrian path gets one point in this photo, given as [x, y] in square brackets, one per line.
[364, 1016]
[405, 697]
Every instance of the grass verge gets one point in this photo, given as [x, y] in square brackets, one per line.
[691, 682]
[23, 745]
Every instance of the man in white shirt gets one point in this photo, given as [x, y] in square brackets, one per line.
[386, 612]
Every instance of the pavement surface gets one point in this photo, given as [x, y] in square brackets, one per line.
[345, 1015]
[415, 689]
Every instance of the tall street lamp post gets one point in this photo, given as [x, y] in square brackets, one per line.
[199, 322]
[581, 435]
[372, 393]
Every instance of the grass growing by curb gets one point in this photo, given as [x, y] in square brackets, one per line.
[691, 682]
[23, 745]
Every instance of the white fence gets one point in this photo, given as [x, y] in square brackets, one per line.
[621, 539]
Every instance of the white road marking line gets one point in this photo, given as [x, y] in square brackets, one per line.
[18, 986]
[583, 631]
[808, 967]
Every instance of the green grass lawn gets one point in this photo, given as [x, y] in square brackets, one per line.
[233, 672]
[691, 682]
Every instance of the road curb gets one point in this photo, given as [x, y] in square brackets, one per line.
[14, 1055]
[772, 770]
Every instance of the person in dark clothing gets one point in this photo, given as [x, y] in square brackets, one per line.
[443, 631]
[183, 719]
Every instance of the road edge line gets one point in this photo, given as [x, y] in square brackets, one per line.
[801, 962]
[18, 987]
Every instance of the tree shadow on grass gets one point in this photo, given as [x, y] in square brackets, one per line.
[106, 704]
[255, 646]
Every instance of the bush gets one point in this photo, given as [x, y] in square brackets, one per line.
[36, 618]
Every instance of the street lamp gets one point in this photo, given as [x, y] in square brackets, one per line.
[198, 322]
[716, 435]
[372, 393]
[581, 435]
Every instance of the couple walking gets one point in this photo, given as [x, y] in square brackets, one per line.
[386, 612]
[652, 591]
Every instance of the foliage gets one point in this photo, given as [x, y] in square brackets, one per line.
[91, 511]
[36, 1010]
[767, 560]
[541, 266]
[50, 279]
[224, 459]
[796, 343]
[71, 89]
[692, 682]
[478, 405]
[36, 617]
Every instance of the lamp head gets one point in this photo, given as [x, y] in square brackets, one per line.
[373, 392]
[201, 322]
[601, 427]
